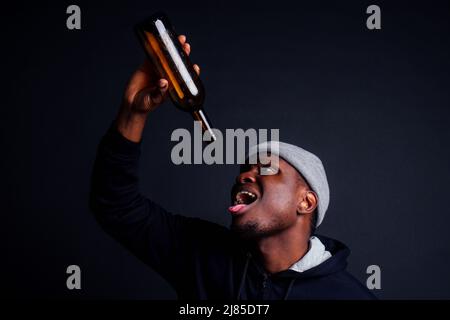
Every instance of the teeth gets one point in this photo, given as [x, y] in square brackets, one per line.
[239, 200]
[248, 193]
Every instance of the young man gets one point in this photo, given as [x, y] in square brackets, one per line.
[270, 251]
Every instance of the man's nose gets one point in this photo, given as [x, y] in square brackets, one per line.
[246, 177]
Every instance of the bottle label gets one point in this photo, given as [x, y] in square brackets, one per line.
[173, 52]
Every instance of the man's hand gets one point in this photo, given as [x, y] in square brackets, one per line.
[144, 93]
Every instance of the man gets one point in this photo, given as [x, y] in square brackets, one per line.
[270, 251]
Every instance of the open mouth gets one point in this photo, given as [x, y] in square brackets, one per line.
[244, 197]
[241, 201]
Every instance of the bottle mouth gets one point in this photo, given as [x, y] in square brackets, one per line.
[199, 115]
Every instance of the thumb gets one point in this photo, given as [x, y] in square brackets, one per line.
[149, 98]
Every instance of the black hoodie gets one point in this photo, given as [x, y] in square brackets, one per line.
[200, 259]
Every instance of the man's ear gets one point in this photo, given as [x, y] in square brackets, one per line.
[307, 203]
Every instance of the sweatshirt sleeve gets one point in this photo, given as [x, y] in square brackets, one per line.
[162, 240]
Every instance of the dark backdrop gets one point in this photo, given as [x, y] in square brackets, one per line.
[374, 105]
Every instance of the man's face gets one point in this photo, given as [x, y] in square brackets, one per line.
[264, 205]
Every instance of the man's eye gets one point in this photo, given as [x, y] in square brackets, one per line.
[272, 169]
[268, 170]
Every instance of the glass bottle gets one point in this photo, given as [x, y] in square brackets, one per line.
[160, 42]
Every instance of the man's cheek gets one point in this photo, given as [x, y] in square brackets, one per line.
[275, 199]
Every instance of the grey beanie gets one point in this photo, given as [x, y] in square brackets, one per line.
[309, 166]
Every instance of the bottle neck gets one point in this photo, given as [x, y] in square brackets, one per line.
[200, 115]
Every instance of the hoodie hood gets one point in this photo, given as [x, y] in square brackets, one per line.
[335, 263]
[315, 255]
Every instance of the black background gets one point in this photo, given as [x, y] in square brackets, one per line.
[373, 105]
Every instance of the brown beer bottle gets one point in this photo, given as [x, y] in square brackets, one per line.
[163, 48]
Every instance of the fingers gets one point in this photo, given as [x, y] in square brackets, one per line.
[197, 69]
[186, 46]
[156, 98]
[163, 83]
[157, 94]
[187, 49]
[151, 96]
[148, 98]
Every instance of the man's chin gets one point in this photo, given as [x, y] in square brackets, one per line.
[248, 230]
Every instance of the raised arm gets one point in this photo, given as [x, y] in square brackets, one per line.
[159, 238]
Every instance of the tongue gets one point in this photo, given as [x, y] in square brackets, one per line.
[236, 208]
